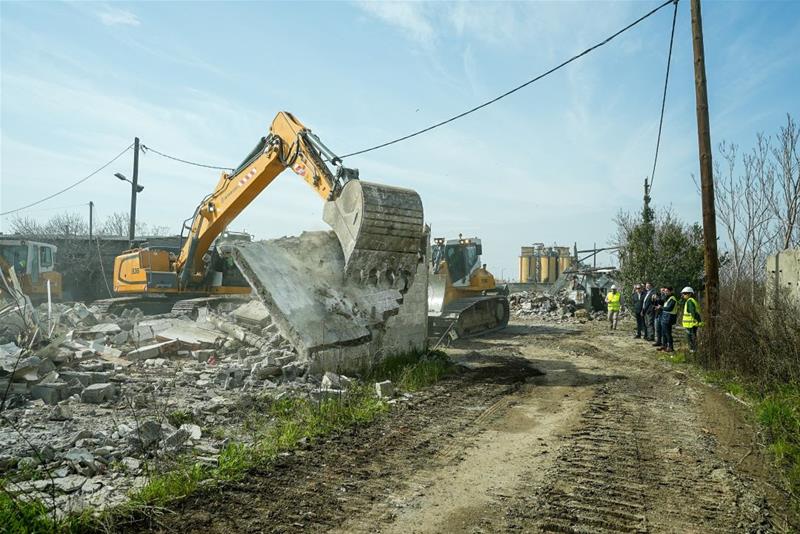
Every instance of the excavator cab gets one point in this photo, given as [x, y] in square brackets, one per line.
[34, 265]
[463, 296]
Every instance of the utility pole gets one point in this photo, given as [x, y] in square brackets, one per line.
[134, 185]
[91, 213]
[706, 185]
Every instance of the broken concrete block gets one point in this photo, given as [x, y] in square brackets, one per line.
[292, 370]
[202, 355]
[98, 393]
[177, 439]
[148, 434]
[131, 465]
[152, 351]
[194, 431]
[79, 455]
[120, 338]
[384, 389]
[285, 360]
[69, 484]
[51, 393]
[106, 329]
[61, 412]
[254, 314]
[263, 370]
[331, 381]
[190, 335]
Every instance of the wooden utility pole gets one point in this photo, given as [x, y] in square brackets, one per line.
[91, 218]
[707, 187]
[134, 191]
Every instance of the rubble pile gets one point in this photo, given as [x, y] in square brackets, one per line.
[559, 308]
[85, 413]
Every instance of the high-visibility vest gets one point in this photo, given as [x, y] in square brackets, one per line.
[674, 310]
[688, 319]
[614, 301]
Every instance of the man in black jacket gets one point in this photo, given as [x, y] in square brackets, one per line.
[648, 312]
[636, 304]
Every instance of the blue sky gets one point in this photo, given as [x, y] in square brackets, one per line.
[552, 163]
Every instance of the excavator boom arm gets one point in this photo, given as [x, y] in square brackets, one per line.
[289, 144]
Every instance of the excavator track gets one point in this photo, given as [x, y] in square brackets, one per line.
[470, 317]
[158, 304]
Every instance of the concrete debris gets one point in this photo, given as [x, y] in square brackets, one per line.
[98, 393]
[253, 314]
[561, 307]
[106, 394]
[385, 389]
[300, 280]
[153, 351]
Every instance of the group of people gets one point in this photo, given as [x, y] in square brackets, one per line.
[656, 313]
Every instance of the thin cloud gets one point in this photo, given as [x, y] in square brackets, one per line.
[112, 16]
[410, 17]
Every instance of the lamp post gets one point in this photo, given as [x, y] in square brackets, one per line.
[135, 189]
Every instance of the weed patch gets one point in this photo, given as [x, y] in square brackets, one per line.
[412, 371]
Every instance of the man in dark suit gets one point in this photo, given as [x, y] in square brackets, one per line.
[636, 304]
[649, 312]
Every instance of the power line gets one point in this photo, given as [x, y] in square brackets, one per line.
[515, 89]
[115, 158]
[58, 208]
[664, 96]
[146, 148]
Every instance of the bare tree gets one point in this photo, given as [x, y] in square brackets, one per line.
[786, 201]
[118, 225]
[729, 202]
[758, 185]
[63, 225]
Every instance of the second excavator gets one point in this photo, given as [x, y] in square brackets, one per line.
[379, 227]
[463, 297]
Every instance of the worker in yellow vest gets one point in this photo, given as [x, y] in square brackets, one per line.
[691, 317]
[613, 299]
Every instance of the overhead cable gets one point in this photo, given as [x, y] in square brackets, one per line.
[115, 158]
[58, 207]
[146, 148]
[515, 89]
[664, 96]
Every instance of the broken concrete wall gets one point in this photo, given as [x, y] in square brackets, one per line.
[783, 277]
[334, 322]
[405, 332]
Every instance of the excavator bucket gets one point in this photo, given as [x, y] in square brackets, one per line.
[380, 229]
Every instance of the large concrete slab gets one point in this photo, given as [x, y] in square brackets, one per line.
[301, 281]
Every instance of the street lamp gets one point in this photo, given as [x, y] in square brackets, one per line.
[135, 189]
[139, 188]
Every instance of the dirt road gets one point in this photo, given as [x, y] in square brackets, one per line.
[548, 429]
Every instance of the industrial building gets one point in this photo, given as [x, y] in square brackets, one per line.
[543, 265]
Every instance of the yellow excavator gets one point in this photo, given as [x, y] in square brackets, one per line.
[463, 298]
[34, 265]
[379, 227]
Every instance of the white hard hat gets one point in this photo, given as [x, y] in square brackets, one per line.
[687, 289]
[613, 286]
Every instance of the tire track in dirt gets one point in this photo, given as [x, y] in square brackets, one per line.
[636, 465]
